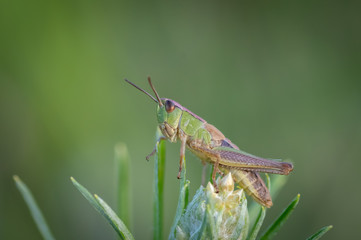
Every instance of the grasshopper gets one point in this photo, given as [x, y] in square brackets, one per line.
[211, 146]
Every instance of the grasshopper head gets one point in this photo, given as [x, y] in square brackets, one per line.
[168, 113]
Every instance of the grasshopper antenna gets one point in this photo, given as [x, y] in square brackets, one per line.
[156, 94]
[155, 100]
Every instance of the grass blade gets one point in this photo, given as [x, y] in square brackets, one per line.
[261, 214]
[114, 220]
[105, 211]
[268, 182]
[258, 224]
[320, 233]
[159, 170]
[122, 161]
[88, 196]
[256, 208]
[182, 200]
[278, 182]
[34, 209]
[273, 229]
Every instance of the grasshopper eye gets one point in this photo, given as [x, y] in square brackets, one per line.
[169, 106]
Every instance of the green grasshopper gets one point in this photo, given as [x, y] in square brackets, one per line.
[210, 145]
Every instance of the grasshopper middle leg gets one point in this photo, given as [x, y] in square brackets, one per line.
[211, 155]
[182, 153]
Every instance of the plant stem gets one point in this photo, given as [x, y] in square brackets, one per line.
[159, 170]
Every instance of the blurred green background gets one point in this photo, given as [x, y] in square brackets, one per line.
[280, 79]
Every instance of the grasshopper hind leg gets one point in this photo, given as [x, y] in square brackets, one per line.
[252, 183]
[215, 170]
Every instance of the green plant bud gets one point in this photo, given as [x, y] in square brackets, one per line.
[215, 215]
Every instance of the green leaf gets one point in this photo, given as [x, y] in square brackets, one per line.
[258, 224]
[261, 214]
[268, 181]
[256, 207]
[320, 233]
[122, 161]
[114, 220]
[182, 200]
[159, 171]
[278, 182]
[105, 211]
[211, 174]
[34, 209]
[88, 196]
[273, 228]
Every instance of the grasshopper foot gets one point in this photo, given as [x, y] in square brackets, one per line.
[150, 154]
[215, 187]
[155, 148]
[179, 174]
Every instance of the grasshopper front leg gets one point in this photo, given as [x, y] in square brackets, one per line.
[155, 147]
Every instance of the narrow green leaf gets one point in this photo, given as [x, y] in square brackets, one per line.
[114, 220]
[210, 175]
[256, 208]
[268, 181]
[258, 224]
[278, 182]
[273, 228]
[261, 213]
[34, 209]
[182, 200]
[88, 196]
[159, 170]
[320, 233]
[186, 196]
[105, 211]
[122, 162]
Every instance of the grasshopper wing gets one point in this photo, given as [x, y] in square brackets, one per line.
[234, 158]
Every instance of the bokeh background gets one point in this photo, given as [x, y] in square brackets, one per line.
[281, 79]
